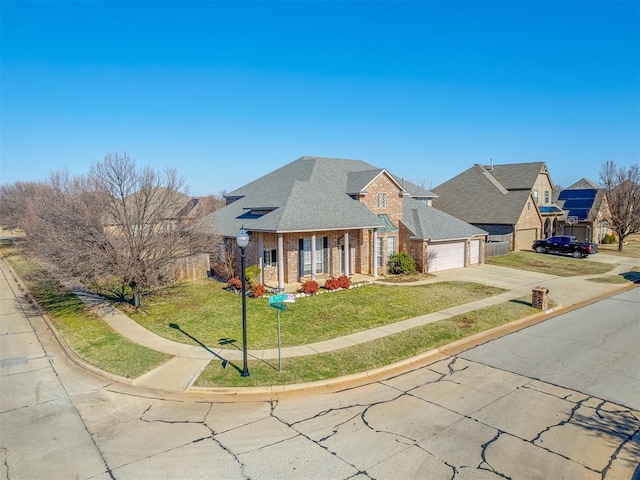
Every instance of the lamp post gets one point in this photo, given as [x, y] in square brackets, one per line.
[243, 241]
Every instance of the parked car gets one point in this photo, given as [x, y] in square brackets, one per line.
[566, 245]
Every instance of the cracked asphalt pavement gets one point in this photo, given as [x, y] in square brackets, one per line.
[457, 418]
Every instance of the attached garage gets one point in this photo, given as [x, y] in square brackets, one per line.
[525, 238]
[578, 231]
[445, 256]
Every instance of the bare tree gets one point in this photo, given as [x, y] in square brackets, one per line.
[118, 221]
[13, 203]
[209, 204]
[621, 186]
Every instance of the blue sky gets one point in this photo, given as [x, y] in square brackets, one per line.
[226, 92]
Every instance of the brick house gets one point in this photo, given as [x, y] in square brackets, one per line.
[514, 200]
[586, 209]
[317, 218]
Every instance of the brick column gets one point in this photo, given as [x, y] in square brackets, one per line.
[540, 298]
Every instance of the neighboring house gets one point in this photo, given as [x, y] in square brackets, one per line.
[585, 206]
[323, 217]
[511, 200]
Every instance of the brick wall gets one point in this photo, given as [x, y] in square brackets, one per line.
[383, 184]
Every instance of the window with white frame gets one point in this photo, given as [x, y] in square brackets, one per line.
[547, 197]
[535, 197]
[270, 258]
[321, 260]
[391, 247]
[379, 255]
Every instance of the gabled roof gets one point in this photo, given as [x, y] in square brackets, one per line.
[583, 183]
[583, 199]
[315, 194]
[429, 223]
[488, 195]
[517, 176]
[308, 194]
[412, 189]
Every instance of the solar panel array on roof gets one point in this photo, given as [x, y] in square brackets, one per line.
[549, 209]
[578, 202]
[574, 194]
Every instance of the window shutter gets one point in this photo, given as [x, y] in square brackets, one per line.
[301, 257]
[325, 256]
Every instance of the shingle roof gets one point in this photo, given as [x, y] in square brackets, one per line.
[308, 194]
[516, 176]
[583, 183]
[429, 223]
[483, 196]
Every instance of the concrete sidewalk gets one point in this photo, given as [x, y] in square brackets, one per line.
[179, 373]
[188, 362]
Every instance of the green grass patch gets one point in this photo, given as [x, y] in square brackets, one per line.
[204, 310]
[561, 266]
[85, 333]
[366, 356]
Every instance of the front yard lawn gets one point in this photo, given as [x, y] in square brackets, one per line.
[85, 333]
[205, 310]
[366, 356]
[559, 265]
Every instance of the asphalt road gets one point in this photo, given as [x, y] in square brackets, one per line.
[456, 418]
[594, 350]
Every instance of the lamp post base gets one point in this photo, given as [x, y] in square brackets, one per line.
[244, 374]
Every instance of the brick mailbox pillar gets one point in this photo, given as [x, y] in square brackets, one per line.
[540, 298]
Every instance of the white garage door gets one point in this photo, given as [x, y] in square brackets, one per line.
[445, 256]
[475, 252]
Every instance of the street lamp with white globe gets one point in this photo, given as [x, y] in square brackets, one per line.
[243, 241]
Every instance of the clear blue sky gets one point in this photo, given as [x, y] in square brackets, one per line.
[226, 92]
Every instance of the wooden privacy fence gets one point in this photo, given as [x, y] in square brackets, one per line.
[191, 268]
[497, 245]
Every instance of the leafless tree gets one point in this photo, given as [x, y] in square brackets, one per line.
[209, 204]
[621, 186]
[224, 259]
[117, 221]
[13, 203]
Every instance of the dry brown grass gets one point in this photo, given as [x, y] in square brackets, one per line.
[631, 247]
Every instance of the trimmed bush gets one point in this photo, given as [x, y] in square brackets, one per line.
[332, 284]
[401, 263]
[344, 281]
[609, 239]
[257, 290]
[310, 287]
[234, 283]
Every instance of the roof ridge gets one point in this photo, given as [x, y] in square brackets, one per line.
[493, 180]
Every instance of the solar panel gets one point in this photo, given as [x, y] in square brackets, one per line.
[573, 194]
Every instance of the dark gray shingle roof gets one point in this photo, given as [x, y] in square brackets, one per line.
[429, 223]
[307, 194]
[483, 196]
[313, 194]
